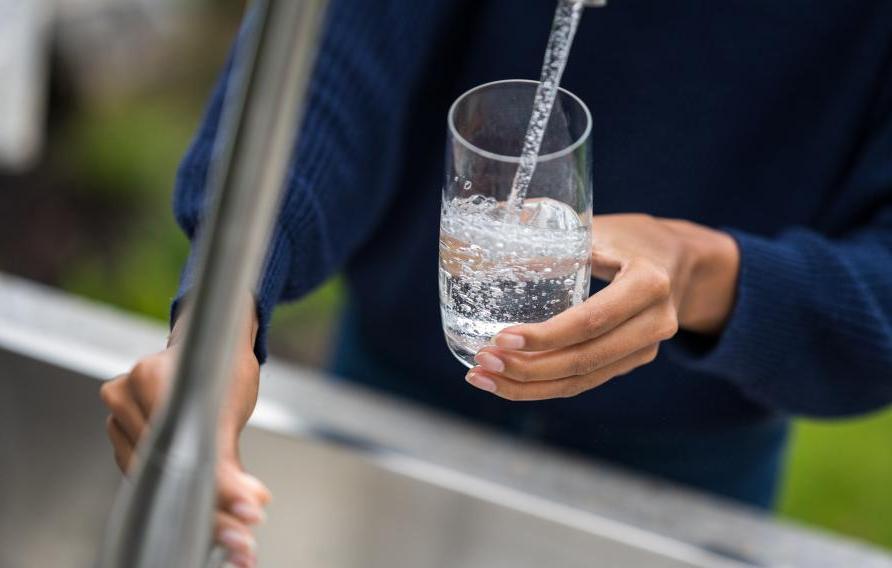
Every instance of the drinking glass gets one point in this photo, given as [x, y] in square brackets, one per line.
[504, 263]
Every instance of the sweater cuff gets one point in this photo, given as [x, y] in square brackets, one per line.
[753, 346]
[271, 286]
[266, 294]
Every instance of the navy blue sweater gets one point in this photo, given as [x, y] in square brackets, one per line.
[771, 120]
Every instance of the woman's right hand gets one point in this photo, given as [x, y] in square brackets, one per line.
[133, 398]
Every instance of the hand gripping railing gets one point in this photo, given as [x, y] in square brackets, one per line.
[163, 515]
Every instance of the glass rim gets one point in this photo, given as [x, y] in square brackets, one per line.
[516, 159]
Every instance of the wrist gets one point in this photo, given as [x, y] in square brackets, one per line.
[709, 298]
[248, 336]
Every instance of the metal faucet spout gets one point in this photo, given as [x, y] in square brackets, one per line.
[163, 516]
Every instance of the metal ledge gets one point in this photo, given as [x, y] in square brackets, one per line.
[99, 342]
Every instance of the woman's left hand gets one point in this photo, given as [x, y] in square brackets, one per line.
[664, 275]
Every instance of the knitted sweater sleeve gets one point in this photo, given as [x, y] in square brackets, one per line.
[811, 332]
[342, 176]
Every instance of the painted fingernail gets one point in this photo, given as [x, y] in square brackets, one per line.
[254, 484]
[241, 561]
[509, 341]
[235, 540]
[481, 382]
[490, 362]
[248, 512]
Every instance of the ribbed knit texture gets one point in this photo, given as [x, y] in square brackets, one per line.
[343, 175]
[772, 120]
[795, 327]
[811, 332]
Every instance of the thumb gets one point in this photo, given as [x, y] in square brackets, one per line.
[606, 263]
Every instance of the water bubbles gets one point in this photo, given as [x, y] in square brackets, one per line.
[563, 29]
[467, 185]
[497, 272]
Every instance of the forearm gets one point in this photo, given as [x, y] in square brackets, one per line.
[811, 327]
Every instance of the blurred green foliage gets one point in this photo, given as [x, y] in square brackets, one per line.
[130, 154]
[840, 476]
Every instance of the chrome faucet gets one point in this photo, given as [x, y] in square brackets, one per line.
[163, 516]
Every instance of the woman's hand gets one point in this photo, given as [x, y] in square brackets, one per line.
[664, 275]
[133, 398]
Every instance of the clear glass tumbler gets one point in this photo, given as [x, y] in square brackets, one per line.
[501, 266]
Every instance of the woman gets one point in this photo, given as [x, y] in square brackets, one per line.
[743, 191]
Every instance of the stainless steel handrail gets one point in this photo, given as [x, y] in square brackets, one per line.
[163, 516]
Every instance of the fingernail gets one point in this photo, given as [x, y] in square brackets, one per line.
[254, 483]
[235, 540]
[481, 382]
[509, 341]
[248, 512]
[490, 362]
[241, 561]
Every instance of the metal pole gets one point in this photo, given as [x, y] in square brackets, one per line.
[163, 515]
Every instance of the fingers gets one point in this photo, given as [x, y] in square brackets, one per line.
[148, 382]
[510, 389]
[240, 501]
[122, 444]
[647, 328]
[236, 538]
[242, 560]
[126, 412]
[612, 333]
[135, 397]
[241, 495]
[241, 498]
[131, 399]
[605, 263]
[126, 423]
[638, 286]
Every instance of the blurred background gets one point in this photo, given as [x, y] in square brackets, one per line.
[98, 102]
